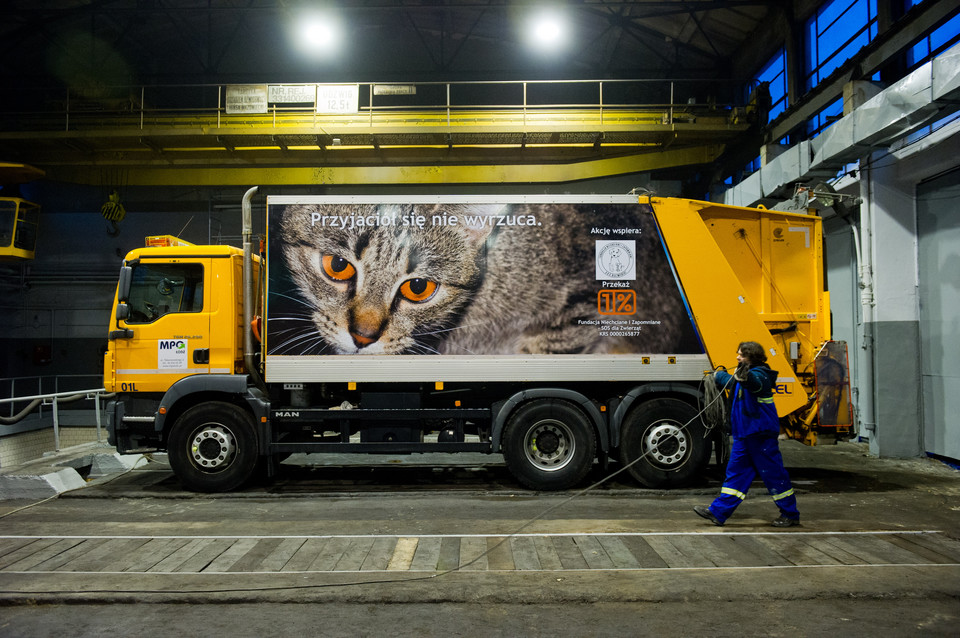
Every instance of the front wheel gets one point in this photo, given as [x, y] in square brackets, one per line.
[666, 442]
[213, 447]
[549, 444]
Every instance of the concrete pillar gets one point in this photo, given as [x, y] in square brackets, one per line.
[769, 152]
[889, 232]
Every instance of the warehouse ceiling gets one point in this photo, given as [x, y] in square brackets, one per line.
[105, 60]
[215, 41]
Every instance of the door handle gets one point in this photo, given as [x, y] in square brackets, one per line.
[201, 355]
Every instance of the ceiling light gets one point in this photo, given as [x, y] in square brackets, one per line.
[318, 34]
[548, 30]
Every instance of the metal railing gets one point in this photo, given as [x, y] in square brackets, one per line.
[21, 405]
[147, 106]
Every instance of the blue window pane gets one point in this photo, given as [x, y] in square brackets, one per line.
[831, 12]
[830, 114]
[772, 69]
[934, 43]
[945, 34]
[774, 73]
[838, 30]
[812, 44]
[918, 52]
[776, 109]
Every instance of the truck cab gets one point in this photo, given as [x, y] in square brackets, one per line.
[178, 314]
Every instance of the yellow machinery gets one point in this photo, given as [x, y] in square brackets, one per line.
[18, 217]
[18, 228]
[580, 328]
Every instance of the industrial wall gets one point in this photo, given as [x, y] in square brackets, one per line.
[938, 232]
[898, 307]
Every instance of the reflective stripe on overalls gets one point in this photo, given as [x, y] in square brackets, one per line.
[751, 457]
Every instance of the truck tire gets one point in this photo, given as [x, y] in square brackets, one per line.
[549, 444]
[213, 447]
[671, 439]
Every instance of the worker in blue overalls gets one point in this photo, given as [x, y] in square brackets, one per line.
[755, 429]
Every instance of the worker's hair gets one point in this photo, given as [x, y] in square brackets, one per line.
[753, 351]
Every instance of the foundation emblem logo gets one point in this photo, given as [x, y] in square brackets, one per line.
[617, 260]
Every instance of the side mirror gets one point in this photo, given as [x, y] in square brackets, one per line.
[123, 311]
[123, 287]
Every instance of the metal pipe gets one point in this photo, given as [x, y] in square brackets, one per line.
[249, 290]
[865, 382]
[96, 407]
[56, 426]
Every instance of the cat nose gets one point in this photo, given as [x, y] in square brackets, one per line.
[362, 340]
[366, 326]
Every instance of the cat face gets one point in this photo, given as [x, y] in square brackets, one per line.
[386, 288]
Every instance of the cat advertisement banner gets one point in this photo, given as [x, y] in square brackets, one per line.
[361, 276]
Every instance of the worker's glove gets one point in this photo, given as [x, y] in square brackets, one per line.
[740, 374]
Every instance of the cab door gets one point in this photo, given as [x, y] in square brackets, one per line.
[167, 324]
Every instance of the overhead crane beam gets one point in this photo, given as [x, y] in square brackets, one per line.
[493, 173]
[424, 145]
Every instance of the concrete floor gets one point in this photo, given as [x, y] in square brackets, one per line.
[461, 548]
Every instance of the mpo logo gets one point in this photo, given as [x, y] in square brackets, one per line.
[172, 354]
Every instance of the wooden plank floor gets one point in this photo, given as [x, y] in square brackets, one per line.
[524, 552]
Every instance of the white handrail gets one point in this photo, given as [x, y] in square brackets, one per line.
[51, 395]
[53, 398]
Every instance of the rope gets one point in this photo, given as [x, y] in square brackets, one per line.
[715, 411]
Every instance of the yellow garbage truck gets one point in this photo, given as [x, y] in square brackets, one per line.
[558, 331]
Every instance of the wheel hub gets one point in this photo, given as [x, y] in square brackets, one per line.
[665, 444]
[550, 445]
[547, 443]
[213, 447]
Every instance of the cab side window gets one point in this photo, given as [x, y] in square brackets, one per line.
[160, 289]
[8, 214]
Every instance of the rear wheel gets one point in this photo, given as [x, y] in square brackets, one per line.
[213, 447]
[549, 444]
[669, 439]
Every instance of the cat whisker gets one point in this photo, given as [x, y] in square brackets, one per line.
[451, 329]
[420, 348]
[304, 339]
[274, 293]
[297, 339]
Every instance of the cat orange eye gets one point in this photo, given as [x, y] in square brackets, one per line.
[418, 290]
[338, 268]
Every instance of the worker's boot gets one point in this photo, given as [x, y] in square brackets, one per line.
[783, 521]
[707, 514]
